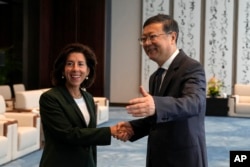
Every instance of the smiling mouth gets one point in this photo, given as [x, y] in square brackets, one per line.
[75, 76]
[150, 50]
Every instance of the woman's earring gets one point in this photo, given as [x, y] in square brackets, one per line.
[62, 76]
[87, 78]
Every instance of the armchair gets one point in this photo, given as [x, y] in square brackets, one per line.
[6, 135]
[29, 101]
[239, 103]
[26, 134]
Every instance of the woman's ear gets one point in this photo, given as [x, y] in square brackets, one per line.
[88, 71]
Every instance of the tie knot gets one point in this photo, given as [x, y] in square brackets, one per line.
[160, 71]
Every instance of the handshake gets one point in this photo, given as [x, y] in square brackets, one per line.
[138, 107]
[122, 131]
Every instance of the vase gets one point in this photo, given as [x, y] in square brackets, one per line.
[213, 96]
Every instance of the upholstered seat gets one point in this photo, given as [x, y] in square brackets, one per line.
[28, 100]
[3, 141]
[102, 109]
[6, 134]
[18, 88]
[239, 103]
[26, 137]
[6, 138]
[5, 91]
[26, 133]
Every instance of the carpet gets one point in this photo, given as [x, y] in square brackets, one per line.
[223, 134]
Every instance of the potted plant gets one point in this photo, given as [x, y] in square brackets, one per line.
[214, 87]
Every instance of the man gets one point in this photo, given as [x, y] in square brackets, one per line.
[173, 112]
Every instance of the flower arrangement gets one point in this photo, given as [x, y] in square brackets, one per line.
[214, 87]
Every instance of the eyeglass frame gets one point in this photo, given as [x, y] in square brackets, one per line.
[151, 37]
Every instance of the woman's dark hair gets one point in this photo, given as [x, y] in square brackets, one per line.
[60, 63]
[169, 24]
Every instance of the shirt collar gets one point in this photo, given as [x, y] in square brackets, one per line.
[170, 60]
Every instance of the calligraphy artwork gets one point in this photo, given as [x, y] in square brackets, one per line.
[243, 43]
[219, 41]
[151, 8]
[187, 13]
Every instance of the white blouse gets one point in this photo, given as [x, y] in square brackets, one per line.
[83, 107]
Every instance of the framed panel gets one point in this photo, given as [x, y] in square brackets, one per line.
[243, 43]
[150, 8]
[219, 41]
[188, 15]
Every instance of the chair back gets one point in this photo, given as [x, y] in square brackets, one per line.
[18, 88]
[28, 99]
[5, 91]
[242, 89]
[2, 105]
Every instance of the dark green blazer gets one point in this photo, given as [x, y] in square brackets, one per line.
[69, 142]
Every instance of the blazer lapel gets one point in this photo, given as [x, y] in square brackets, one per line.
[68, 97]
[171, 72]
[166, 80]
[90, 110]
[151, 83]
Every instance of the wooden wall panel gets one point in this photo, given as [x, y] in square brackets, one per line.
[68, 21]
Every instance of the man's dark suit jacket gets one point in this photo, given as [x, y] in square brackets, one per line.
[176, 133]
[69, 142]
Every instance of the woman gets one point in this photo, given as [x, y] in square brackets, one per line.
[68, 112]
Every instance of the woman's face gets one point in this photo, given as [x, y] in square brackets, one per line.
[76, 69]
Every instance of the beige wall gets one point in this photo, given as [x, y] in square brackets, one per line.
[125, 50]
[125, 68]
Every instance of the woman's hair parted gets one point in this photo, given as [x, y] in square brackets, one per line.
[60, 63]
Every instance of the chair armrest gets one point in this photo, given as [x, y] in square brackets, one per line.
[237, 98]
[4, 126]
[9, 104]
[102, 101]
[231, 104]
[9, 120]
[24, 118]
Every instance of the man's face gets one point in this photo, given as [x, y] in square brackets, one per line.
[157, 44]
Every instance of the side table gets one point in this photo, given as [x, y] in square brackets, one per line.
[217, 106]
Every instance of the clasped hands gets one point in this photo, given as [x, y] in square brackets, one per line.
[138, 107]
[122, 131]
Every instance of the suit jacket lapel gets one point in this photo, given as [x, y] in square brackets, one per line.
[166, 80]
[68, 97]
[171, 72]
[151, 83]
[90, 110]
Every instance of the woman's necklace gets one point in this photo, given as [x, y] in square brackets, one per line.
[76, 96]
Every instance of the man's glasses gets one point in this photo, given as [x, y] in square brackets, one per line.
[151, 38]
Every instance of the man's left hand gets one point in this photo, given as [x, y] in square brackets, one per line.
[142, 106]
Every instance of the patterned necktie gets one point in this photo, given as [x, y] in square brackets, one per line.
[157, 80]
